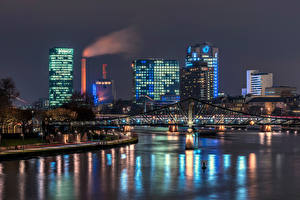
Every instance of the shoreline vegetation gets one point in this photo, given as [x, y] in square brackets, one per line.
[59, 148]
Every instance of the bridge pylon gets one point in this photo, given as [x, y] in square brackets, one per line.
[220, 128]
[173, 128]
[190, 116]
[266, 128]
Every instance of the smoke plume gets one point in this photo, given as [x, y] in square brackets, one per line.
[123, 41]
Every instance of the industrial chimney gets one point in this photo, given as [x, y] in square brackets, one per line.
[104, 73]
[83, 76]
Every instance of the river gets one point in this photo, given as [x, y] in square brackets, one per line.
[240, 165]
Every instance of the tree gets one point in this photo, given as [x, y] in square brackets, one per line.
[82, 105]
[8, 92]
[23, 116]
[61, 114]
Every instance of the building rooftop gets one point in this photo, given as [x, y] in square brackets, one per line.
[266, 99]
[282, 86]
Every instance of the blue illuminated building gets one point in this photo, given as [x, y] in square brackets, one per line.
[155, 79]
[200, 75]
[103, 92]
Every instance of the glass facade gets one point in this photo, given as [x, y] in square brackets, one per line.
[202, 60]
[60, 76]
[155, 78]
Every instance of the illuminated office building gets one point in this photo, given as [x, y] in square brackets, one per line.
[200, 75]
[196, 82]
[257, 82]
[155, 79]
[60, 76]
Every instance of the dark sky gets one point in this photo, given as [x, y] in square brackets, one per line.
[256, 34]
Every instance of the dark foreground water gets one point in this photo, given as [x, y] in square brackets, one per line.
[241, 165]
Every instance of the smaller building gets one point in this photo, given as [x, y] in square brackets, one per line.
[103, 92]
[236, 103]
[257, 82]
[282, 91]
[266, 105]
[41, 104]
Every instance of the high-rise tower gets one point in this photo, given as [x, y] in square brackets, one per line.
[200, 75]
[60, 76]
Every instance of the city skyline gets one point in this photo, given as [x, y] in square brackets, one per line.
[155, 99]
[252, 40]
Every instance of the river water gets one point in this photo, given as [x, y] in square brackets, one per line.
[240, 165]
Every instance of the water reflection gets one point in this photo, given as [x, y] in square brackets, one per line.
[241, 177]
[89, 172]
[181, 171]
[212, 169]
[138, 175]
[1, 182]
[22, 179]
[252, 174]
[269, 138]
[124, 181]
[58, 176]
[159, 166]
[227, 161]
[76, 167]
[41, 177]
[167, 172]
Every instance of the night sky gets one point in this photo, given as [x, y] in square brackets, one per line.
[256, 34]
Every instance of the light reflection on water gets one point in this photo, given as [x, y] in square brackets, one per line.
[241, 178]
[21, 179]
[240, 167]
[1, 182]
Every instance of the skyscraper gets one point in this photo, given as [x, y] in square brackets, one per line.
[156, 79]
[199, 76]
[257, 82]
[196, 81]
[60, 76]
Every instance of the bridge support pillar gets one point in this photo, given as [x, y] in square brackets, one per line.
[190, 114]
[189, 141]
[266, 128]
[220, 128]
[173, 128]
[127, 128]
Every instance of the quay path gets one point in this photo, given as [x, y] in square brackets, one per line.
[46, 149]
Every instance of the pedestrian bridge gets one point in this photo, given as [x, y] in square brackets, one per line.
[191, 113]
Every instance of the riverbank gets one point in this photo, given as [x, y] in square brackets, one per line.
[65, 148]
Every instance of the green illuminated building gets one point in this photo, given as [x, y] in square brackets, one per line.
[156, 79]
[60, 76]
